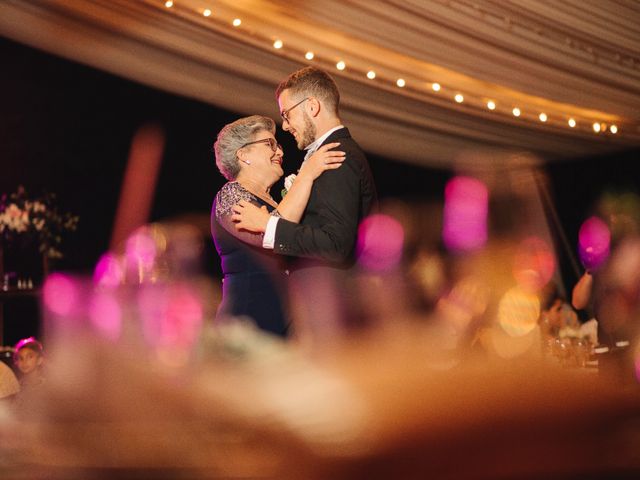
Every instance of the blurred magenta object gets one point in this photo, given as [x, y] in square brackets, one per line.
[594, 241]
[534, 263]
[108, 271]
[60, 294]
[466, 207]
[171, 315]
[380, 242]
[105, 314]
[141, 249]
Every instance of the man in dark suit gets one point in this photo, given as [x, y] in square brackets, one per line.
[326, 235]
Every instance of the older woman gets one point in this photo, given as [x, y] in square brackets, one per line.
[250, 158]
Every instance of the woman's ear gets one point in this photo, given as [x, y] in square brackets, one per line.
[242, 156]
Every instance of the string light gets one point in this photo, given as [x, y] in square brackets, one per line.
[435, 86]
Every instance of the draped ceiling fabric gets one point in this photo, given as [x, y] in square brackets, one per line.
[572, 59]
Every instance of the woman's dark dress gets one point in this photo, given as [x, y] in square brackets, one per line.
[253, 283]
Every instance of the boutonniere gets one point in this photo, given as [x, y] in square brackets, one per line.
[288, 182]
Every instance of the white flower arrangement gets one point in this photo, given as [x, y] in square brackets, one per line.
[40, 218]
[288, 183]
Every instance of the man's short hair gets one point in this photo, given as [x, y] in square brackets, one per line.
[312, 82]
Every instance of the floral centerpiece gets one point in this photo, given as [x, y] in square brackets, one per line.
[36, 219]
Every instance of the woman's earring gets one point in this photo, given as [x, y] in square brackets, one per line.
[246, 161]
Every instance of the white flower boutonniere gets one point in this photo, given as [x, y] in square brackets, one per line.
[288, 182]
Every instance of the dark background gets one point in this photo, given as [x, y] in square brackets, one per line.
[67, 128]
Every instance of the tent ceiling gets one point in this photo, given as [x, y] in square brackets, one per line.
[570, 59]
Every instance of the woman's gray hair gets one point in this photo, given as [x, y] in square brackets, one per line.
[233, 136]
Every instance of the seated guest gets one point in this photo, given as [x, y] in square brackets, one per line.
[29, 359]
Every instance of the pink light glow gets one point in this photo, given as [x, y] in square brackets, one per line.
[534, 264]
[60, 294]
[380, 242]
[594, 240]
[106, 315]
[465, 214]
[141, 249]
[172, 316]
[108, 271]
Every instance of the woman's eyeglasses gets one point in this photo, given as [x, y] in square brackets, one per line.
[271, 141]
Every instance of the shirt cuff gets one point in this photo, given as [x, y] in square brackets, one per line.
[269, 239]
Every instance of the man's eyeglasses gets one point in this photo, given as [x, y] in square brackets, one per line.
[285, 113]
[271, 141]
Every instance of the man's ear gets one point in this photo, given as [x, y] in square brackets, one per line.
[314, 106]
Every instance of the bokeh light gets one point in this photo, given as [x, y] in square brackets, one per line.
[534, 264]
[60, 294]
[108, 271]
[380, 242]
[518, 312]
[140, 253]
[465, 214]
[171, 315]
[594, 241]
[106, 315]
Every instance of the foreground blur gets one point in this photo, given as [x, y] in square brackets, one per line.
[446, 373]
